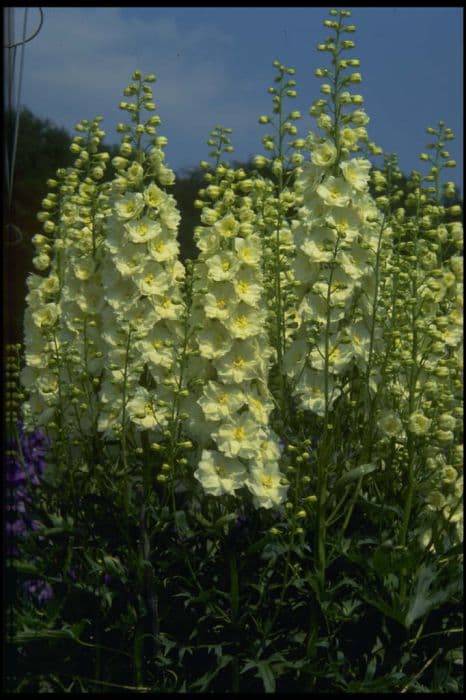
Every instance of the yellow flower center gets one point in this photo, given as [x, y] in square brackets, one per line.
[267, 481]
[238, 361]
[239, 433]
[225, 265]
[242, 322]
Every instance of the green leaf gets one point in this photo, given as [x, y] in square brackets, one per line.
[263, 671]
[266, 673]
[204, 681]
[423, 600]
[33, 635]
[356, 473]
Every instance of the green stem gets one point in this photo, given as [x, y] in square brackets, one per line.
[123, 429]
[234, 603]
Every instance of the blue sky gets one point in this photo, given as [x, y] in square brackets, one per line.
[214, 66]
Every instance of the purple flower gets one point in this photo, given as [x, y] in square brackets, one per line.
[24, 465]
[40, 590]
[107, 579]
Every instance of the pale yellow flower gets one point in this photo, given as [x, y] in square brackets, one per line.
[324, 154]
[239, 436]
[227, 226]
[219, 401]
[142, 230]
[222, 267]
[248, 250]
[264, 483]
[418, 423]
[334, 191]
[390, 424]
[356, 172]
[245, 361]
[219, 474]
[214, 340]
[129, 206]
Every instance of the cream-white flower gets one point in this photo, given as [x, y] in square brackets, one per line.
[169, 214]
[154, 196]
[244, 321]
[248, 250]
[163, 247]
[214, 340]
[222, 267]
[219, 401]
[140, 409]
[157, 346]
[259, 406]
[334, 191]
[46, 316]
[324, 154]
[264, 483]
[129, 206]
[311, 390]
[356, 173]
[243, 362]
[227, 226]
[246, 287]
[418, 423]
[142, 230]
[239, 436]
[152, 279]
[220, 301]
[219, 474]
[390, 424]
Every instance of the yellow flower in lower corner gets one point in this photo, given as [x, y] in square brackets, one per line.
[264, 483]
[219, 474]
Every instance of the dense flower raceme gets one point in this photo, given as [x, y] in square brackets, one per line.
[141, 278]
[337, 236]
[240, 448]
[424, 334]
[337, 239]
[62, 336]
